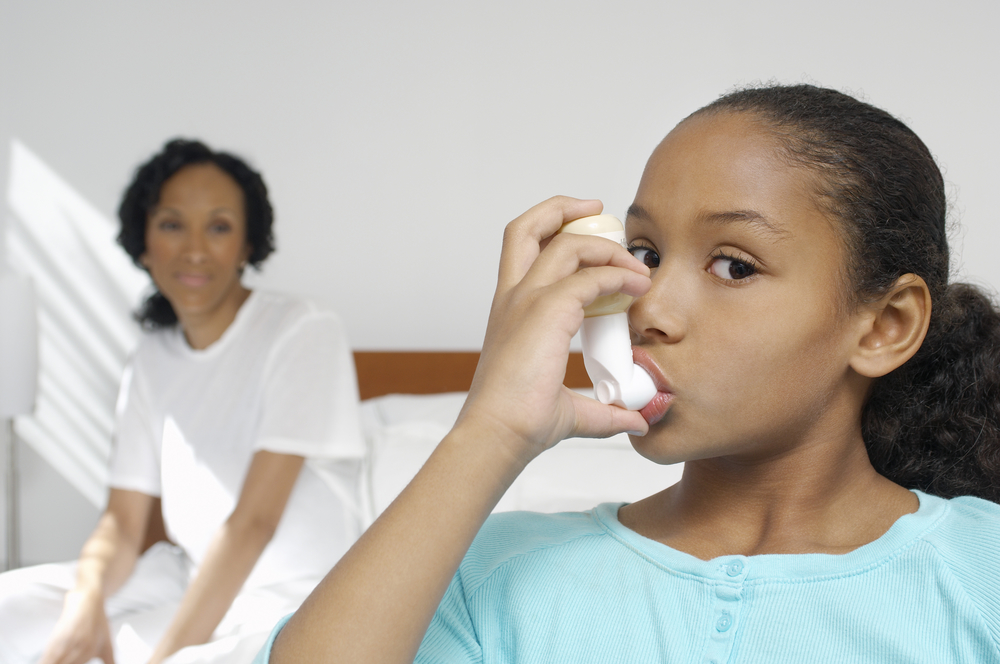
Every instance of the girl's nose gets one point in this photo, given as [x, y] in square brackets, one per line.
[657, 316]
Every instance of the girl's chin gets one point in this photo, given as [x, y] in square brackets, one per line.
[657, 448]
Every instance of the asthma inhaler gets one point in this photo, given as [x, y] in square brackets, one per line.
[607, 348]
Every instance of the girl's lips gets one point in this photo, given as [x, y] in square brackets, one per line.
[654, 411]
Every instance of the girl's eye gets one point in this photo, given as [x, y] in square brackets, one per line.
[732, 269]
[220, 227]
[648, 257]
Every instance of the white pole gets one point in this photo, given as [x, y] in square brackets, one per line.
[18, 384]
[13, 525]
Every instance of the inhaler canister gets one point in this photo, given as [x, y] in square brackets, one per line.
[607, 346]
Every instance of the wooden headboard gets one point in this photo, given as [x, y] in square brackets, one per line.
[420, 372]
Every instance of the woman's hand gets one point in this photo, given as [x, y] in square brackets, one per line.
[106, 561]
[543, 286]
[82, 632]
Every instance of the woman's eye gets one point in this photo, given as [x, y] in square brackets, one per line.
[168, 225]
[648, 257]
[220, 227]
[733, 269]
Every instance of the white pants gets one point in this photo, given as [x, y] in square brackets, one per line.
[31, 601]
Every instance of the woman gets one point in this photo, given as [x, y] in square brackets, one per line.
[227, 396]
[835, 401]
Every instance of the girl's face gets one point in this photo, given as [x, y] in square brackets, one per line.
[196, 242]
[746, 324]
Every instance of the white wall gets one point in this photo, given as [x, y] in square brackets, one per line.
[399, 138]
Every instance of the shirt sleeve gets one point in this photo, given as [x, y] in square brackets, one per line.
[310, 405]
[451, 636]
[264, 656]
[134, 452]
[970, 543]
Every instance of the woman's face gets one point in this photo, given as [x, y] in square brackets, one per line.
[196, 242]
[745, 324]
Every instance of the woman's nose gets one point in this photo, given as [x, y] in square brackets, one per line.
[196, 247]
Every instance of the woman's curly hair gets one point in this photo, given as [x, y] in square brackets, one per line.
[932, 424]
[143, 194]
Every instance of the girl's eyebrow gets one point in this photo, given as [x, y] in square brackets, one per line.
[754, 220]
[637, 212]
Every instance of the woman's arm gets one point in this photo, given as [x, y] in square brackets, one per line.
[376, 604]
[233, 552]
[106, 561]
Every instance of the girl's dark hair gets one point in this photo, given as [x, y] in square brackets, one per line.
[143, 194]
[932, 424]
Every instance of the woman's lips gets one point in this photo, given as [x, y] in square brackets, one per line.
[654, 411]
[193, 280]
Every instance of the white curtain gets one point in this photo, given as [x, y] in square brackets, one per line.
[86, 289]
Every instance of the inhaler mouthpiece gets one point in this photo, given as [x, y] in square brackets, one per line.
[607, 354]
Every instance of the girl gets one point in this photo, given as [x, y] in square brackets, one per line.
[833, 398]
[227, 395]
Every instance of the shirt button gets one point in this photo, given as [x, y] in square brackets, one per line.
[734, 568]
[724, 622]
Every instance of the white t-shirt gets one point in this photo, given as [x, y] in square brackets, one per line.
[281, 378]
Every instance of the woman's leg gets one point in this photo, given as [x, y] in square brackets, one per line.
[31, 601]
[142, 609]
[247, 624]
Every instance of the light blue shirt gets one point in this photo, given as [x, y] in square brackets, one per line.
[581, 587]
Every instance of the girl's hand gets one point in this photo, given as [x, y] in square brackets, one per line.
[543, 286]
[82, 632]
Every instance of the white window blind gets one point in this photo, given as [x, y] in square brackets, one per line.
[86, 288]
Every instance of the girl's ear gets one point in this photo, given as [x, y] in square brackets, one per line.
[894, 328]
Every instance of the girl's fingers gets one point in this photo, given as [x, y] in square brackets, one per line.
[524, 237]
[597, 420]
[554, 302]
[523, 363]
[543, 287]
[567, 297]
[567, 255]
